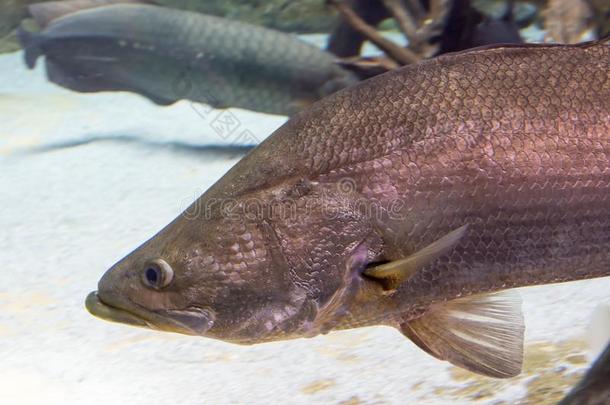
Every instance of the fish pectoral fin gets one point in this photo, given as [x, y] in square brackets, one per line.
[333, 311]
[394, 273]
[481, 333]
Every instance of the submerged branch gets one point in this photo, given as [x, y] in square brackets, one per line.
[401, 55]
[418, 25]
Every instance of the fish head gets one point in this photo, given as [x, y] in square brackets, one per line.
[247, 273]
[221, 277]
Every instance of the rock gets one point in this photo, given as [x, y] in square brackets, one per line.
[303, 16]
[9, 43]
[13, 11]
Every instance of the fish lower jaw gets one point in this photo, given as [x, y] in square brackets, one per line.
[107, 309]
[107, 312]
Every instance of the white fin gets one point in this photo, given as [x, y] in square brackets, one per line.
[395, 273]
[481, 333]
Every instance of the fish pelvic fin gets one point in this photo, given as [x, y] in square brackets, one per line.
[30, 42]
[480, 333]
[394, 273]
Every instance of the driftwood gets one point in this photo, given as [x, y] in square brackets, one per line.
[345, 41]
[399, 54]
[431, 27]
[418, 24]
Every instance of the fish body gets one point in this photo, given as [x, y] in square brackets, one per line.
[168, 55]
[411, 200]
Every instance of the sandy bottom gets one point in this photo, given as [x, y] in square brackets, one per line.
[84, 179]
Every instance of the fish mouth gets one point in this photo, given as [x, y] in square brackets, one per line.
[193, 321]
[102, 310]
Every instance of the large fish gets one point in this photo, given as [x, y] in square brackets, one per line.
[411, 199]
[168, 55]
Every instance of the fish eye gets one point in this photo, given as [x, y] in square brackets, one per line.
[157, 274]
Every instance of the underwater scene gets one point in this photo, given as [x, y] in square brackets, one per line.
[305, 202]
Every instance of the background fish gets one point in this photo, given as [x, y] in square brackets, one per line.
[168, 55]
[408, 200]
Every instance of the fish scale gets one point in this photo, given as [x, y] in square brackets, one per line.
[416, 198]
[589, 134]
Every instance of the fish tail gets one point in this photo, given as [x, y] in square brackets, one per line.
[30, 42]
